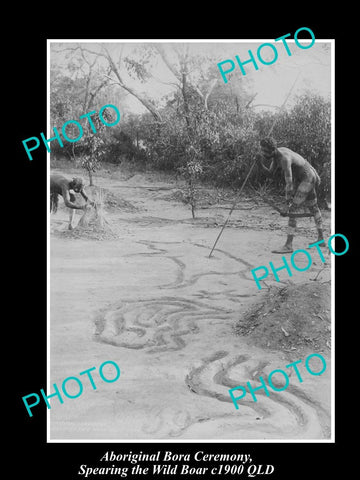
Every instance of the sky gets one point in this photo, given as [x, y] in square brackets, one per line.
[311, 67]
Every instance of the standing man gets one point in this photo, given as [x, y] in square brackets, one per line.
[60, 185]
[301, 180]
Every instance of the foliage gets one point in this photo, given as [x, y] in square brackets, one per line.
[206, 130]
[227, 139]
[96, 144]
[306, 129]
[191, 171]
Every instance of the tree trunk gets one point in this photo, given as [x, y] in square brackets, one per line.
[186, 103]
[73, 153]
[192, 196]
[90, 177]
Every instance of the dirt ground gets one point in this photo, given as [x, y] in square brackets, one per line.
[183, 327]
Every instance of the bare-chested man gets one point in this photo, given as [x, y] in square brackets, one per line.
[301, 180]
[60, 185]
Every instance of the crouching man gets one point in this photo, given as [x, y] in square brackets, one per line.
[60, 185]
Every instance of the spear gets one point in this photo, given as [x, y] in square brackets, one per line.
[251, 169]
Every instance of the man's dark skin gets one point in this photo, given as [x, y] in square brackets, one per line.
[60, 185]
[301, 180]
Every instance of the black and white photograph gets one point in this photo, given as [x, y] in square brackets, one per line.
[191, 240]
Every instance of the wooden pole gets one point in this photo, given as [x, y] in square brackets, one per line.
[232, 208]
[251, 169]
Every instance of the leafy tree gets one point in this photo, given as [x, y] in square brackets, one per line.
[96, 145]
[191, 171]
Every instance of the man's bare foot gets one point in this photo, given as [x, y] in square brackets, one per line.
[284, 249]
[323, 244]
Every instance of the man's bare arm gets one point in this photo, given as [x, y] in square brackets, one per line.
[83, 194]
[86, 198]
[68, 202]
[289, 187]
[269, 170]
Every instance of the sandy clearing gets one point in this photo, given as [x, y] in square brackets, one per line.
[153, 302]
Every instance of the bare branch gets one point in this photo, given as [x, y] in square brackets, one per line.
[197, 89]
[147, 103]
[212, 85]
[104, 52]
[167, 62]
[266, 105]
[79, 47]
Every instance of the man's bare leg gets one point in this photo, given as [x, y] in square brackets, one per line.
[315, 210]
[288, 247]
[318, 221]
[71, 218]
